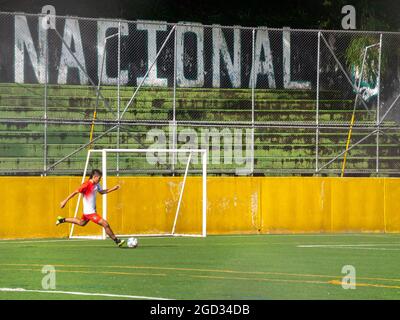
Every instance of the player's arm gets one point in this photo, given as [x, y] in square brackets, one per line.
[109, 190]
[64, 202]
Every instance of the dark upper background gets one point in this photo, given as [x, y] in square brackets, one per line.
[324, 14]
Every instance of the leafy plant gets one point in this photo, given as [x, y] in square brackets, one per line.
[355, 55]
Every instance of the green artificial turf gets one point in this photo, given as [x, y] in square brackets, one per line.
[216, 267]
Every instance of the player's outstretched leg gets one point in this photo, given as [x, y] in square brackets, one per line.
[76, 221]
[110, 233]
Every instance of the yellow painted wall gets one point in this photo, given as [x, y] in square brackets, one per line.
[291, 205]
[248, 205]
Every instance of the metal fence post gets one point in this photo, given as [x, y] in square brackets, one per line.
[378, 102]
[253, 100]
[317, 104]
[118, 93]
[46, 54]
[174, 125]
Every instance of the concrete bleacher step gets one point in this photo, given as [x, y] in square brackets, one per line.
[72, 134]
[261, 163]
[202, 103]
[336, 117]
[21, 144]
[157, 92]
[75, 102]
[358, 154]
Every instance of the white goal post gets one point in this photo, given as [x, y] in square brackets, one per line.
[173, 232]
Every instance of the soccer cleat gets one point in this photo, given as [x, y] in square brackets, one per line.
[120, 243]
[60, 220]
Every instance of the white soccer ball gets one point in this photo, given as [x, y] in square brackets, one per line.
[132, 243]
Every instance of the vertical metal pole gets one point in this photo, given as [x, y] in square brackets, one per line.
[80, 194]
[204, 207]
[174, 126]
[104, 169]
[317, 106]
[354, 110]
[253, 100]
[378, 103]
[181, 193]
[46, 49]
[118, 93]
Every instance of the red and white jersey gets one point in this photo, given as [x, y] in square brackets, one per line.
[89, 190]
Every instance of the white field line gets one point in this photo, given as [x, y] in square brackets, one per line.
[81, 293]
[370, 246]
[8, 241]
[347, 245]
[11, 241]
[380, 235]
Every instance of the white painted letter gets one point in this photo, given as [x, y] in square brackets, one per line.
[23, 39]
[72, 33]
[181, 59]
[220, 47]
[151, 79]
[266, 66]
[102, 27]
[287, 83]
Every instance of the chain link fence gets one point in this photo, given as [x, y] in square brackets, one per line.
[262, 101]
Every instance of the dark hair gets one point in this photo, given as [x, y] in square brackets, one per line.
[96, 172]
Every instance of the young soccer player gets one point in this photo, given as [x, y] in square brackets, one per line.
[89, 189]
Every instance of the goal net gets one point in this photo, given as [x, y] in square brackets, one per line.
[165, 203]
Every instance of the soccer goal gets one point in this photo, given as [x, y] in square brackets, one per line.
[172, 204]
